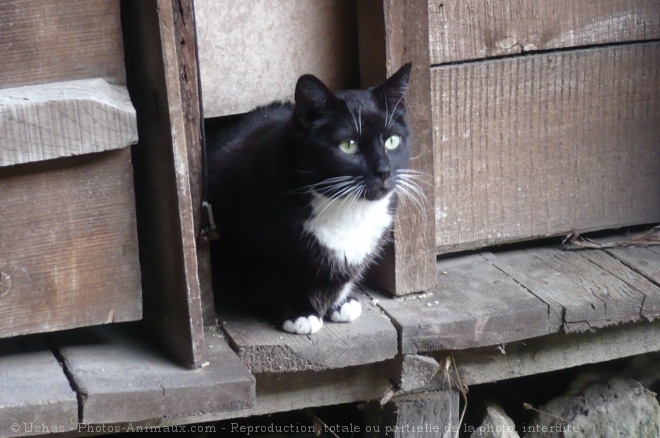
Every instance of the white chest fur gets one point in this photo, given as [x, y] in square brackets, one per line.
[350, 228]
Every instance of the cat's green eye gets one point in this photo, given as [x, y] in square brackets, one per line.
[349, 146]
[392, 142]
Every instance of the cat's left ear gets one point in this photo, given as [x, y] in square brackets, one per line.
[312, 97]
[396, 86]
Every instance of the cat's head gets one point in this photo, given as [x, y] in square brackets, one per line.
[354, 143]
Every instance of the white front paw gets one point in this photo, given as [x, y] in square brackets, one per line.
[349, 311]
[303, 325]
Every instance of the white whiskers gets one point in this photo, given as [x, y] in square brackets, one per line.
[408, 186]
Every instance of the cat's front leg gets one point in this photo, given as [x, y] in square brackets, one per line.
[346, 308]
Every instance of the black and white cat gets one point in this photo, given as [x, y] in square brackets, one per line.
[304, 197]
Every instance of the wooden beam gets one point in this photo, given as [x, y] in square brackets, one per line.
[168, 251]
[473, 29]
[550, 353]
[434, 414]
[284, 392]
[570, 145]
[409, 264]
[61, 119]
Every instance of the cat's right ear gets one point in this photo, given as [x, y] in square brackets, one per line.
[312, 97]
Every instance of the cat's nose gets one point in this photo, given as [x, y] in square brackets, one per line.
[383, 173]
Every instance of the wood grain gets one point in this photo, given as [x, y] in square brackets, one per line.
[60, 40]
[551, 353]
[184, 20]
[265, 349]
[252, 53]
[168, 253]
[473, 305]
[283, 392]
[122, 378]
[541, 145]
[433, 414]
[42, 122]
[401, 36]
[586, 289]
[68, 244]
[473, 29]
[34, 391]
[645, 261]
[417, 371]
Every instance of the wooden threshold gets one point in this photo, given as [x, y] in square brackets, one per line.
[266, 349]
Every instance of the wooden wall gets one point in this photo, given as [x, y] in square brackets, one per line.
[540, 142]
[53, 41]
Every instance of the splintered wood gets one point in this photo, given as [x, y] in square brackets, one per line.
[527, 147]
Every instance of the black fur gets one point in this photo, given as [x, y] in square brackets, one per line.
[257, 170]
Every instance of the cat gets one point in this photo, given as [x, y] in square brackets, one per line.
[304, 196]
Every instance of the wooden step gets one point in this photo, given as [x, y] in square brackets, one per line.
[498, 297]
[35, 395]
[266, 349]
[121, 378]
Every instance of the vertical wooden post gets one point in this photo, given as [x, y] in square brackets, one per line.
[163, 89]
[391, 33]
[431, 414]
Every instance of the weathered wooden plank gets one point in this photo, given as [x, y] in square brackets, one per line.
[42, 122]
[35, 395]
[399, 28]
[60, 40]
[473, 29]
[417, 371]
[474, 304]
[185, 22]
[587, 288]
[645, 261]
[551, 353]
[650, 307]
[283, 392]
[68, 244]
[168, 253]
[267, 44]
[265, 349]
[432, 414]
[122, 378]
[570, 145]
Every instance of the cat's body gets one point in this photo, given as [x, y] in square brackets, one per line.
[304, 196]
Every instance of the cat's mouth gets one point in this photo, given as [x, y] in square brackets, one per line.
[376, 192]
